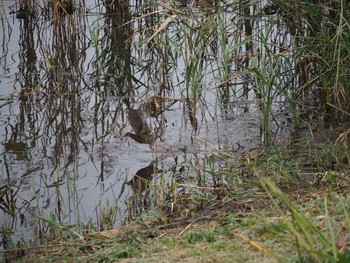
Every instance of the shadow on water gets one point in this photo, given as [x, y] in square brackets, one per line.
[85, 88]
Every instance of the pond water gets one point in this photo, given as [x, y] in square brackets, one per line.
[68, 78]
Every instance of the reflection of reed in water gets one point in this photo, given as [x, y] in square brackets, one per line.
[14, 146]
[61, 7]
[143, 177]
[156, 105]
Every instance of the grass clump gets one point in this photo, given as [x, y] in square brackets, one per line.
[271, 230]
[194, 237]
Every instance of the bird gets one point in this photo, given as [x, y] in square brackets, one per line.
[153, 107]
[142, 133]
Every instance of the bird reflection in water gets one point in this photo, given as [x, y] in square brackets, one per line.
[140, 182]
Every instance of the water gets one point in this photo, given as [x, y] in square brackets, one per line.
[66, 85]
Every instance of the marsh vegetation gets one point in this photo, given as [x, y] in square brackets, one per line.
[171, 114]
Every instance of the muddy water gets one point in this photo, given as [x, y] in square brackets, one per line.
[67, 82]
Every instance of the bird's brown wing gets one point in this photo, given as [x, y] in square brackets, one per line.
[136, 121]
